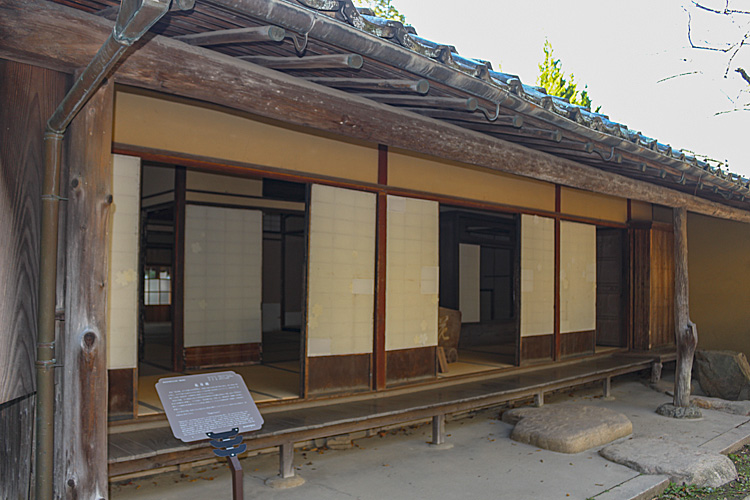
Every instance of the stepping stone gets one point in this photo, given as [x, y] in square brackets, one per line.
[567, 428]
[683, 464]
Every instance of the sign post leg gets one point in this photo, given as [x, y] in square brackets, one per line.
[237, 486]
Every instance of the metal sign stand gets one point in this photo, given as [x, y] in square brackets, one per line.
[229, 444]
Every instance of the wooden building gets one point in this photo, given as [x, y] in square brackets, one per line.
[301, 192]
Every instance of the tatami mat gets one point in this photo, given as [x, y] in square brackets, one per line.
[273, 382]
[473, 362]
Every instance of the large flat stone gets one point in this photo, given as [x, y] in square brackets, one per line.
[568, 428]
[723, 374]
[683, 464]
[733, 407]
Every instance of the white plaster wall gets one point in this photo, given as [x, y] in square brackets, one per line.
[577, 277]
[537, 275]
[469, 259]
[412, 273]
[122, 323]
[341, 271]
[223, 275]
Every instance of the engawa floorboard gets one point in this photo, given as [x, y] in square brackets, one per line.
[136, 450]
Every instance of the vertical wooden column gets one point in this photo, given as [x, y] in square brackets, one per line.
[556, 334]
[686, 334]
[84, 360]
[378, 348]
[178, 271]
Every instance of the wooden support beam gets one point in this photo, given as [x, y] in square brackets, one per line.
[686, 333]
[238, 35]
[286, 460]
[58, 37]
[438, 430]
[459, 103]
[656, 368]
[331, 61]
[421, 86]
[607, 387]
[539, 399]
[455, 116]
[84, 372]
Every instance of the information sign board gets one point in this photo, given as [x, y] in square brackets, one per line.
[209, 402]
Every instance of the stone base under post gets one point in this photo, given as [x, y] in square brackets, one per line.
[686, 412]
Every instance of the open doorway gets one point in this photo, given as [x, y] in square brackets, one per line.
[611, 288]
[155, 339]
[242, 253]
[479, 273]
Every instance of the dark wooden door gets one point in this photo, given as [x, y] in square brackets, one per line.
[610, 287]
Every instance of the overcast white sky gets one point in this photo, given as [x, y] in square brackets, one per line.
[622, 50]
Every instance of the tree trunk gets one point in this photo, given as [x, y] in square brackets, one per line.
[686, 333]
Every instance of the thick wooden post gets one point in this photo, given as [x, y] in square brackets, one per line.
[84, 376]
[686, 335]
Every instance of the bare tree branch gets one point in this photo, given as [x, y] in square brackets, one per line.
[727, 11]
[681, 74]
[745, 76]
[701, 47]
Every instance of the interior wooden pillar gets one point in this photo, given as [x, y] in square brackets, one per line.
[178, 271]
[686, 335]
[84, 359]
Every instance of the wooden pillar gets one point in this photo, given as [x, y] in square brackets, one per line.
[556, 340]
[438, 429]
[178, 271]
[286, 460]
[378, 348]
[84, 359]
[686, 335]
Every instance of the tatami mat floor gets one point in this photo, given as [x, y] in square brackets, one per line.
[473, 362]
[269, 382]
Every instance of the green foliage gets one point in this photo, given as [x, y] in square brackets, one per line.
[552, 78]
[684, 491]
[382, 8]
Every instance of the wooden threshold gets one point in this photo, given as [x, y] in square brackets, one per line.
[131, 451]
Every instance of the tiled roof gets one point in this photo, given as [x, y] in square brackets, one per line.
[584, 120]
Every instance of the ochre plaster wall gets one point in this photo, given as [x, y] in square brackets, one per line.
[593, 205]
[718, 266]
[411, 171]
[147, 121]
[640, 210]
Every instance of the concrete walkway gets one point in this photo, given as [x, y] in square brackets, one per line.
[483, 463]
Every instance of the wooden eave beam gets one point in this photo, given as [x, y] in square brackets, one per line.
[233, 36]
[421, 86]
[442, 114]
[458, 103]
[329, 61]
[523, 132]
[58, 37]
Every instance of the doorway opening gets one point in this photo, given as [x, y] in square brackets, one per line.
[611, 289]
[241, 260]
[479, 276]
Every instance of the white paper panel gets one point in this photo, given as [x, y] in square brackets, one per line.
[342, 271]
